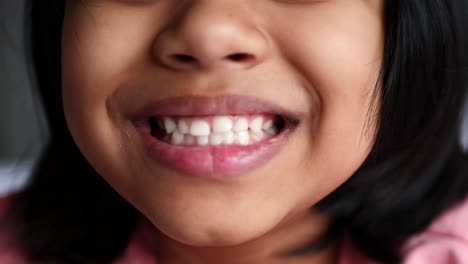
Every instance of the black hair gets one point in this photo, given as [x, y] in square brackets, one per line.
[415, 170]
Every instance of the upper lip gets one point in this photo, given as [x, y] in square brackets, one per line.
[197, 105]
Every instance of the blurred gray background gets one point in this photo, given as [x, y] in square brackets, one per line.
[22, 126]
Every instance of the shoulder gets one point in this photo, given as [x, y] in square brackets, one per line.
[9, 253]
[445, 241]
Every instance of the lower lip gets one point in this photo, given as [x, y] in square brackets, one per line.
[213, 161]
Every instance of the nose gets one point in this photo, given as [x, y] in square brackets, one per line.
[211, 35]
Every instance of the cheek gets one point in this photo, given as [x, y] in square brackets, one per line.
[94, 62]
[340, 58]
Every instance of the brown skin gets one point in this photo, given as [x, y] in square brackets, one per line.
[319, 59]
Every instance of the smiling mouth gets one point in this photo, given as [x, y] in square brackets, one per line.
[222, 130]
[214, 137]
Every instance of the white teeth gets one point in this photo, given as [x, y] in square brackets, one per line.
[203, 140]
[256, 124]
[228, 137]
[216, 139]
[267, 125]
[169, 125]
[272, 130]
[241, 124]
[189, 140]
[222, 124]
[200, 128]
[177, 138]
[183, 126]
[257, 136]
[218, 130]
[243, 138]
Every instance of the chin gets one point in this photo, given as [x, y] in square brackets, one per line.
[216, 236]
[213, 234]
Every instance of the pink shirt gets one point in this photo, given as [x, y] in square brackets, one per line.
[445, 241]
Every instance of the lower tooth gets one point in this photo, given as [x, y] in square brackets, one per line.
[177, 138]
[272, 130]
[243, 138]
[203, 140]
[189, 140]
[257, 136]
[228, 137]
[216, 139]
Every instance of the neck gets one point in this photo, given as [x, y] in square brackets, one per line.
[280, 245]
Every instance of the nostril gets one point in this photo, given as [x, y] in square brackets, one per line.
[240, 57]
[184, 58]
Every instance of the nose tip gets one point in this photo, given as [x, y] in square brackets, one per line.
[198, 40]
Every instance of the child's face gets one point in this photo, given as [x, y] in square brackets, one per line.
[317, 60]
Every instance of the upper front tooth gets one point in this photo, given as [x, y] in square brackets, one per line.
[177, 138]
[183, 126]
[256, 124]
[169, 125]
[200, 128]
[222, 124]
[241, 124]
[267, 125]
